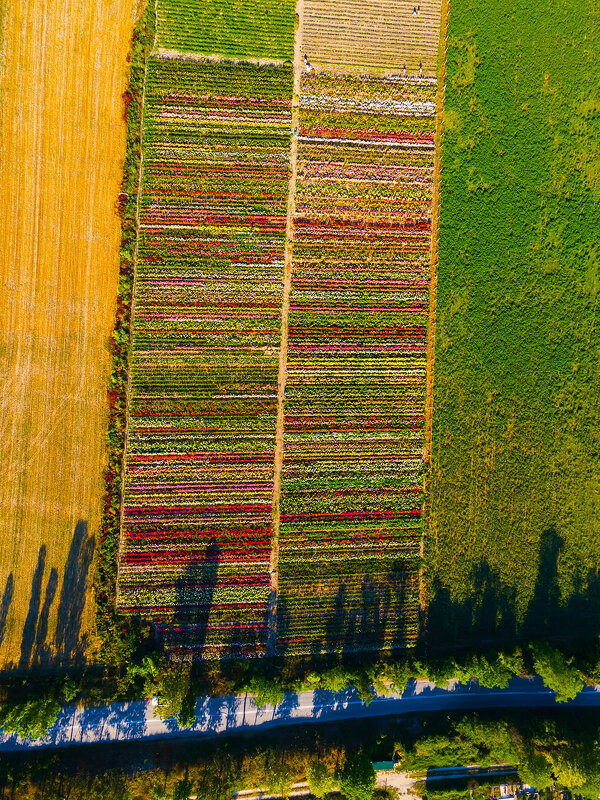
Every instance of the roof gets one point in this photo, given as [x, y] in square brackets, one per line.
[377, 765]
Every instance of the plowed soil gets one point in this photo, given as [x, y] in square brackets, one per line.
[63, 141]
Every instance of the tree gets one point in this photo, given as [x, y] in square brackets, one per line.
[183, 789]
[397, 675]
[173, 685]
[320, 780]
[491, 672]
[335, 679]
[31, 716]
[69, 689]
[358, 777]
[187, 713]
[556, 671]
[159, 792]
[279, 780]
[535, 769]
[265, 691]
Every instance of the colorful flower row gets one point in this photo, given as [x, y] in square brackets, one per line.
[355, 391]
[202, 412]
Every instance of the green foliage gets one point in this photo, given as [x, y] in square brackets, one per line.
[183, 789]
[187, 713]
[335, 679]
[557, 672]
[320, 779]
[265, 691]
[261, 29]
[172, 686]
[30, 715]
[159, 792]
[357, 778]
[69, 689]
[491, 670]
[516, 429]
[535, 769]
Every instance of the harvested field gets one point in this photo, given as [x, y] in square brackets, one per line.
[380, 35]
[63, 142]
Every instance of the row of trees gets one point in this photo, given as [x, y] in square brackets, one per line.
[178, 684]
[560, 747]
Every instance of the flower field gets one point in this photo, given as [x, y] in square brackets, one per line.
[196, 538]
[355, 391]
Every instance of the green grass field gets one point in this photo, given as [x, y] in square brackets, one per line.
[514, 510]
[236, 29]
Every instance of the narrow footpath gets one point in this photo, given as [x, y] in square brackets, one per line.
[136, 720]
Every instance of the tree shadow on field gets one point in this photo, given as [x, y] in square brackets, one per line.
[194, 600]
[5, 604]
[41, 652]
[69, 645]
[488, 615]
[29, 628]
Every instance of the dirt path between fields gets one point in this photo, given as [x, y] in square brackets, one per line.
[435, 226]
[285, 306]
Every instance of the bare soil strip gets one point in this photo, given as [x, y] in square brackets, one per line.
[184, 55]
[435, 226]
[63, 144]
[287, 286]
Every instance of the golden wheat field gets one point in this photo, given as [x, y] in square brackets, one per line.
[64, 69]
[383, 35]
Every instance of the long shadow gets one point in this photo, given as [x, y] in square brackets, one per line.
[30, 626]
[41, 651]
[69, 645]
[195, 592]
[543, 613]
[488, 615]
[7, 596]
[358, 619]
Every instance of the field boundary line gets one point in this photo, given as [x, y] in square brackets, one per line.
[431, 324]
[283, 344]
[133, 288]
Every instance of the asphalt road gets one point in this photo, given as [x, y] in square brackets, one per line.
[136, 720]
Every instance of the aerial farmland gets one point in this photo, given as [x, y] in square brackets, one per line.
[299, 344]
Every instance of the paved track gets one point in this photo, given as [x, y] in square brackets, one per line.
[136, 720]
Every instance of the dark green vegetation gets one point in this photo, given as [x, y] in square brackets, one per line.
[121, 637]
[238, 28]
[514, 524]
[546, 748]
[178, 684]
[559, 748]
